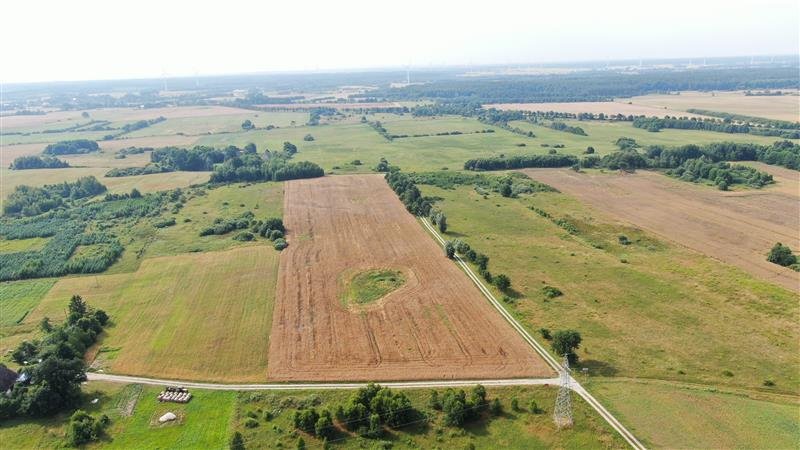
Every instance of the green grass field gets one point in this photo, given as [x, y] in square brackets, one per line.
[18, 298]
[203, 316]
[602, 135]
[666, 415]
[209, 420]
[366, 287]
[650, 309]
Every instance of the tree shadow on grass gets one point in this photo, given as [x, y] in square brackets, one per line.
[596, 367]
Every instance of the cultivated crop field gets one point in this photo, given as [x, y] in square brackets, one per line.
[201, 316]
[738, 228]
[437, 325]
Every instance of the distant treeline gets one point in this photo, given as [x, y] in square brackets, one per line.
[656, 124]
[37, 162]
[592, 86]
[771, 123]
[73, 147]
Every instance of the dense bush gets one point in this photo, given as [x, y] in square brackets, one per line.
[31, 201]
[405, 188]
[722, 174]
[561, 126]
[782, 255]
[72, 147]
[37, 162]
[373, 406]
[520, 162]
[565, 342]
[55, 365]
[83, 428]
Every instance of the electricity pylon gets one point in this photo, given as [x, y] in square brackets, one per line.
[562, 416]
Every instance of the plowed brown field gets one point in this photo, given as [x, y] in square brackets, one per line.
[736, 227]
[436, 326]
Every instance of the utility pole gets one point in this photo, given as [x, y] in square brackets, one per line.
[562, 416]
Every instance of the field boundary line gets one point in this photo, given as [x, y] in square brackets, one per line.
[575, 385]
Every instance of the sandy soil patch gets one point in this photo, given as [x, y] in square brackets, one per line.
[738, 228]
[439, 328]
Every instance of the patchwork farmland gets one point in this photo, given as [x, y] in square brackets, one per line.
[735, 227]
[438, 325]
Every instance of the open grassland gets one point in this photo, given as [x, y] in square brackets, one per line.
[200, 316]
[622, 106]
[738, 228]
[410, 125]
[18, 298]
[196, 125]
[209, 420]
[134, 412]
[437, 325]
[665, 415]
[21, 245]
[513, 429]
[602, 136]
[649, 309]
[784, 107]
[145, 183]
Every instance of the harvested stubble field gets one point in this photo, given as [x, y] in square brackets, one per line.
[738, 228]
[437, 325]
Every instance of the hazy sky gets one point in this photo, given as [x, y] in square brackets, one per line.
[74, 40]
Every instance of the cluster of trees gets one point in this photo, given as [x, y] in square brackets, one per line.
[32, 201]
[782, 255]
[519, 183]
[138, 125]
[376, 125]
[405, 188]
[316, 114]
[441, 133]
[37, 162]
[722, 174]
[84, 428]
[782, 153]
[54, 365]
[250, 167]
[458, 408]
[684, 123]
[479, 259]
[65, 228]
[561, 126]
[225, 226]
[122, 153]
[371, 408]
[76, 146]
[520, 162]
[383, 166]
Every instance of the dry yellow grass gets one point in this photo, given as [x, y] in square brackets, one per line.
[616, 107]
[203, 316]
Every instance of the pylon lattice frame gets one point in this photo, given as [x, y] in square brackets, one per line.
[562, 416]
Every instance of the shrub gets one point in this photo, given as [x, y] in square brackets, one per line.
[250, 423]
[496, 408]
[308, 138]
[781, 255]
[502, 282]
[449, 250]
[280, 244]
[545, 333]
[237, 441]
[551, 292]
[623, 239]
[244, 236]
[533, 407]
[83, 428]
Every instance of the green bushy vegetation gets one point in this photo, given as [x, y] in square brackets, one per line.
[32, 201]
[722, 174]
[54, 366]
[37, 162]
[73, 147]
